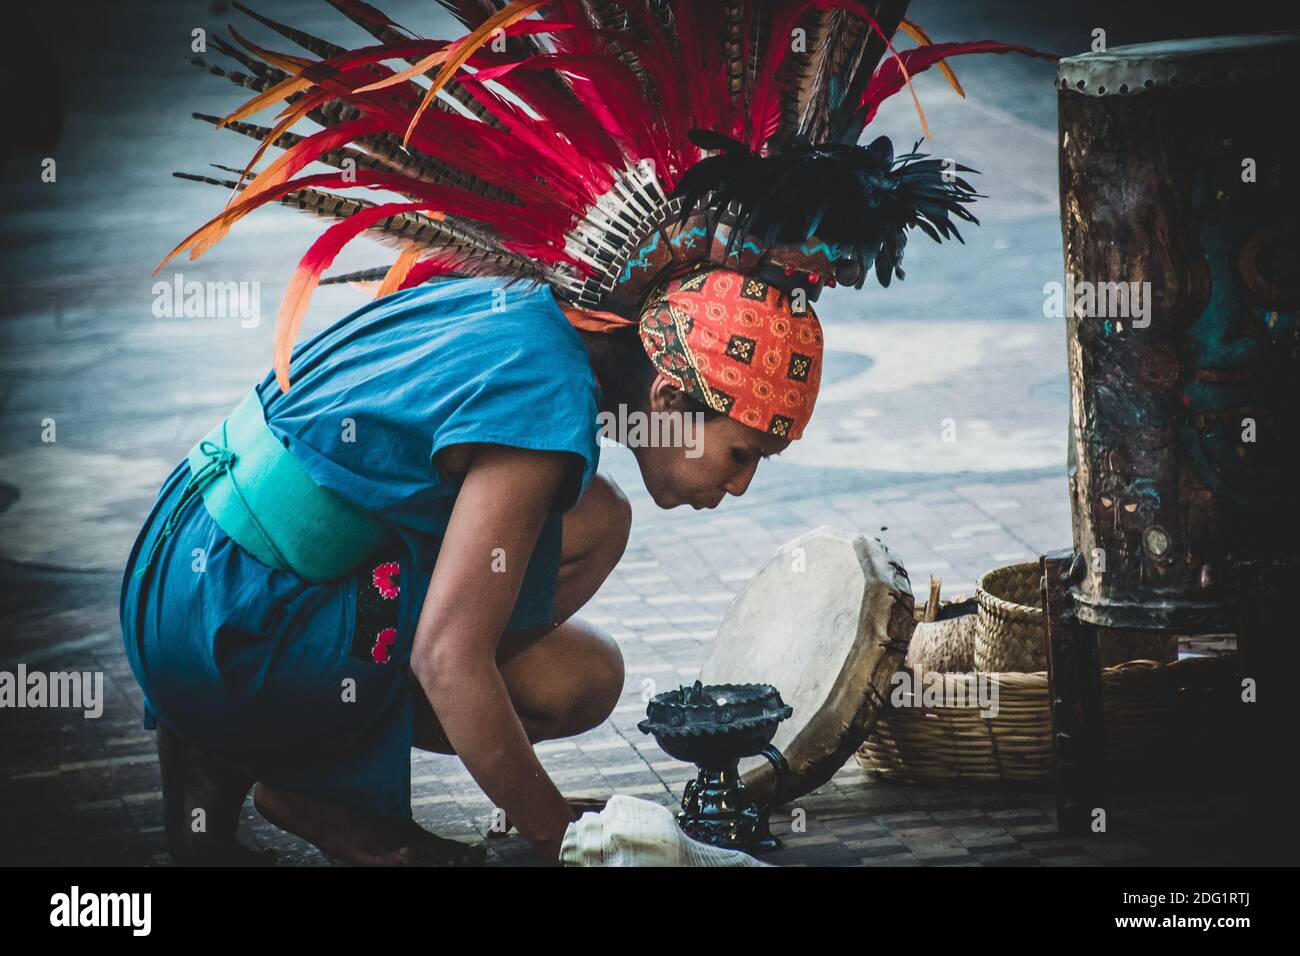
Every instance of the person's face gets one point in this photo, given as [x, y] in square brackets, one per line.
[720, 460]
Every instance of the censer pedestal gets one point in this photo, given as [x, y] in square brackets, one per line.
[713, 727]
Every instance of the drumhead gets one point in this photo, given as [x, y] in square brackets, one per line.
[1179, 64]
[826, 622]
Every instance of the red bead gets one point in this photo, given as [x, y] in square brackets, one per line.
[813, 277]
[789, 270]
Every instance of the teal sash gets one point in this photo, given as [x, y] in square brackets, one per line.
[265, 500]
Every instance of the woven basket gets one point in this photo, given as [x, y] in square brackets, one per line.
[1155, 706]
[1010, 635]
[1153, 710]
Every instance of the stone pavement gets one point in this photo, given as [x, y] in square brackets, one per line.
[941, 429]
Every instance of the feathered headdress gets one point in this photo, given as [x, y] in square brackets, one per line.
[599, 146]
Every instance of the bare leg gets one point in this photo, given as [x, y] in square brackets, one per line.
[562, 685]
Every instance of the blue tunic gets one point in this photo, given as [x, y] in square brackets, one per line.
[307, 685]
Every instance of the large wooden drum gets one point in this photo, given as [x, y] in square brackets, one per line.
[1180, 202]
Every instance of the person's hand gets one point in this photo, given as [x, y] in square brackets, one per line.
[578, 805]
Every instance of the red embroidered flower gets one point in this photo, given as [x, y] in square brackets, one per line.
[383, 641]
[383, 577]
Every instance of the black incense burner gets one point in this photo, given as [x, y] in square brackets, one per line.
[713, 727]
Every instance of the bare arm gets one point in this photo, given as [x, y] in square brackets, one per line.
[502, 503]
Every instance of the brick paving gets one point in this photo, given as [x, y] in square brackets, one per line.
[962, 340]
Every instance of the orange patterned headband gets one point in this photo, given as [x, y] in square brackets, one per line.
[732, 342]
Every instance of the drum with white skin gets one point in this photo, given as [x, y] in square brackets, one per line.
[827, 622]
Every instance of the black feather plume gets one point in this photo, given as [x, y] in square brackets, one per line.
[860, 198]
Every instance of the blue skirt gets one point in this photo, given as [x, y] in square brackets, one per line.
[306, 686]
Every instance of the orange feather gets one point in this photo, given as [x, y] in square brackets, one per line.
[920, 36]
[296, 111]
[193, 237]
[292, 309]
[420, 67]
[399, 270]
[282, 90]
[457, 55]
[286, 62]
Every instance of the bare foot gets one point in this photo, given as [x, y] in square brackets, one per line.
[359, 838]
[202, 797]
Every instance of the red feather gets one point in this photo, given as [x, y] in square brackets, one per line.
[570, 168]
[610, 91]
[587, 136]
[888, 78]
[428, 268]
